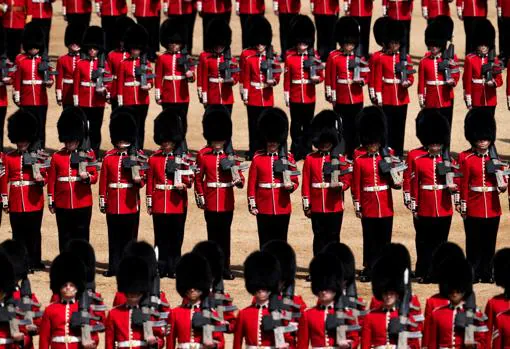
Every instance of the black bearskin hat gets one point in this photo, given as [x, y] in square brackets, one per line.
[214, 255]
[302, 30]
[259, 31]
[380, 30]
[347, 31]
[326, 273]
[273, 126]
[457, 276]
[326, 127]
[399, 253]
[85, 252]
[122, 24]
[436, 35]
[193, 271]
[93, 38]
[67, 267]
[133, 275]
[123, 126]
[371, 124]
[501, 267]
[447, 24]
[286, 256]
[261, 272]
[7, 275]
[346, 257]
[172, 31]
[217, 124]
[74, 34]
[395, 31]
[22, 126]
[18, 255]
[146, 252]
[168, 127]
[446, 252]
[33, 37]
[388, 275]
[483, 33]
[432, 128]
[136, 37]
[218, 33]
[72, 125]
[479, 124]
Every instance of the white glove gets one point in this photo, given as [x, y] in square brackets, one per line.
[199, 6]
[459, 12]
[165, 8]
[425, 12]
[4, 7]
[312, 6]
[64, 11]
[97, 7]
[275, 7]
[499, 11]
[384, 11]
[421, 100]
[286, 98]
[238, 8]
[346, 7]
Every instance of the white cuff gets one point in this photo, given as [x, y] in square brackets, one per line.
[5, 201]
[238, 7]
[357, 206]
[469, 100]
[4, 7]
[165, 7]
[245, 94]
[120, 100]
[463, 207]
[407, 198]
[133, 8]
[75, 100]
[275, 5]
[102, 201]
[149, 201]
[199, 6]
[499, 11]
[459, 11]
[371, 92]
[312, 7]
[157, 94]
[425, 11]
[286, 97]
[64, 11]
[252, 203]
[16, 96]
[328, 91]
[204, 97]
[378, 95]
[306, 203]
[414, 206]
[346, 7]
[50, 200]
[421, 100]
[333, 96]
[384, 11]
[59, 95]
[456, 198]
[97, 7]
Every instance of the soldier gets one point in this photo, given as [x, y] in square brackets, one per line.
[58, 328]
[109, 12]
[400, 11]
[436, 83]
[22, 185]
[500, 337]
[371, 189]
[125, 325]
[303, 70]
[218, 70]
[30, 83]
[326, 176]
[77, 12]
[67, 63]
[147, 14]
[432, 190]
[361, 11]
[286, 10]
[449, 323]
[174, 71]
[213, 10]
[468, 12]
[261, 71]
[272, 178]
[430, 10]
[70, 176]
[325, 15]
[168, 179]
[379, 33]
[193, 283]
[186, 12]
[6, 79]
[15, 14]
[479, 192]
[348, 73]
[119, 187]
[246, 10]
[87, 95]
[42, 11]
[482, 70]
[218, 173]
[393, 76]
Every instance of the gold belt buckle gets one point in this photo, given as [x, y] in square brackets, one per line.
[195, 345]
[436, 187]
[273, 185]
[67, 339]
[484, 189]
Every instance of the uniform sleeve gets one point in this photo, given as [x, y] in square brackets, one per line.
[45, 331]
[464, 185]
[481, 338]
[426, 324]
[303, 337]
[17, 80]
[410, 77]
[327, 79]
[76, 84]
[508, 83]
[36, 308]
[356, 182]
[109, 336]
[421, 81]
[293, 178]
[364, 70]
[199, 176]
[205, 80]
[415, 183]
[455, 65]
[108, 75]
[333, 77]
[158, 81]
[150, 69]
[491, 322]
[60, 76]
[406, 177]
[497, 338]
[120, 84]
[305, 186]
[366, 333]
[320, 72]
[286, 78]
[103, 179]
[172, 336]
[239, 332]
[378, 74]
[245, 79]
[346, 178]
[277, 65]
[252, 181]
[466, 78]
[236, 75]
[433, 333]
[92, 170]
[148, 188]
[52, 176]
[498, 77]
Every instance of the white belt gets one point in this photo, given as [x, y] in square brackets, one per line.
[436, 82]
[40, 1]
[132, 83]
[321, 185]
[165, 187]
[376, 188]
[302, 82]
[21, 183]
[174, 77]
[189, 346]
[87, 84]
[433, 186]
[5, 341]
[32, 82]
[271, 185]
[219, 185]
[68, 81]
[331, 347]
[258, 347]
[391, 81]
[258, 85]
[120, 185]
[483, 189]
[65, 339]
[478, 81]
[389, 346]
[344, 81]
[131, 343]
[68, 179]
[216, 80]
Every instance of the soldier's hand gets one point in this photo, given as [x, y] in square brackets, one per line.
[149, 211]
[238, 183]
[49, 83]
[84, 175]
[359, 214]
[51, 208]
[210, 345]
[308, 213]
[283, 346]
[180, 186]
[289, 186]
[452, 187]
[102, 209]
[28, 19]
[151, 340]
[189, 74]
[271, 82]
[32, 329]
[338, 185]
[491, 83]
[7, 80]
[406, 83]
[146, 87]
[254, 211]
[39, 178]
[450, 82]
[276, 12]
[18, 337]
[345, 344]
[503, 188]
[101, 90]
[316, 79]
[59, 102]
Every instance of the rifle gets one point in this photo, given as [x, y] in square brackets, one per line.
[402, 66]
[355, 64]
[174, 168]
[350, 300]
[267, 66]
[142, 71]
[230, 163]
[494, 166]
[221, 302]
[8, 316]
[26, 303]
[447, 169]
[466, 320]
[491, 68]
[32, 156]
[226, 68]
[81, 158]
[282, 167]
[135, 162]
[186, 61]
[204, 320]
[337, 322]
[81, 319]
[141, 317]
[98, 75]
[312, 63]
[44, 67]
[444, 66]
[392, 165]
[274, 321]
[5, 70]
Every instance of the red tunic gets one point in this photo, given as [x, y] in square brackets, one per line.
[387, 82]
[146, 8]
[297, 84]
[432, 303]
[214, 89]
[129, 89]
[495, 309]
[4, 99]
[29, 87]
[327, 76]
[360, 8]
[97, 307]
[250, 7]
[179, 7]
[17, 12]
[434, 8]
[255, 90]
[202, 58]
[344, 89]
[214, 6]
[473, 8]
[42, 9]
[501, 336]
[84, 88]
[400, 10]
[115, 57]
[372, 62]
[409, 172]
[287, 6]
[476, 92]
[76, 6]
[503, 8]
[172, 85]
[325, 7]
[113, 7]
[64, 84]
[432, 89]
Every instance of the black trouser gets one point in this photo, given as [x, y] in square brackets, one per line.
[468, 30]
[326, 42]
[3, 112]
[431, 232]
[13, 38]
[82, 19]
[181, 109]
[95, 118]
[207, 18]
[151, 24]
[109, 24]
[140, 114]
[285, 19]
[407, 31]
[376, 235]
[348, 113]
[244, 19]
[481, 235]
[272, 227]
[187, 25]
[255, 143]
[45, 25]
[490, 110]
[26, 228]
[301, 116]
[326, 228]
[396, 119]
[504, 37]
[122, 229]
[168, 237]
[40, 112]
[218, 230]
[446, 112]
[364, 36]
[73, 224]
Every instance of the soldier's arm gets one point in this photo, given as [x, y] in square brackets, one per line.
[347, 178]
[252, 183]
[286, 80]
[466, 80]
[158, 81]
[245, 80]
[52, 176]
[150, 186]
[410, 77]
[421, 83]
[60, 75]
[45, 331]
[455, 65]
[293, 178]
[76, 84]
[498, 78]
[120, 84]
[366, 333]
[303, 334]
[239, 332]
[464, 186]
[109, 337]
